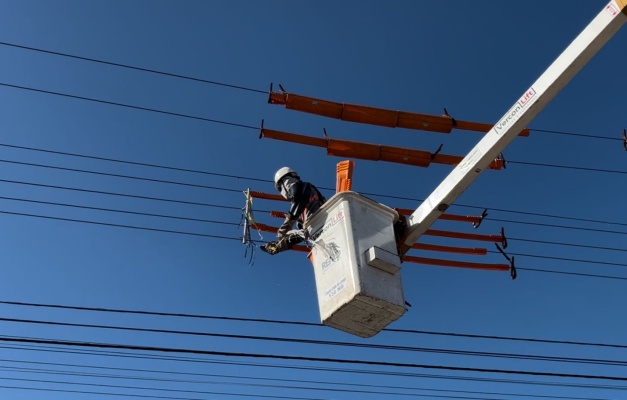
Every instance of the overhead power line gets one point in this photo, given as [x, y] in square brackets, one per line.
[294, 367]
[66, 343]
[302, 323]
[516, 356]
[113, 103]
[239, 239]
[126, 226]
[545, 165]
[204, 220]
[138, 178]
[152, 71]
[238, 87]
[251, 378]
[212, 173]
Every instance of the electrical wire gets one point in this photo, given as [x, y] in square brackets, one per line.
[126, 66]
[206, 235]
[153, 71]
[545, 165]
[239, 239]
[113, 103]
[518, 212]
[138, 178]
[330, 343]
[51, 203]
[299, 323]
[282, 380]
[335, 390]
[234, 190]
[304, 358]
[294, 367]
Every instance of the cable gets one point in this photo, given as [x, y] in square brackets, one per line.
[331, 343]
[585, 246]
[563, 259]
[122, 211]
[143, 378]
[610, 171]
[152, 71]
[139, 178]
[292, 367]
[229, 176]
[111, 386]
[253, 385]
[171, 168]
[127, 226]
[574, 134]
[239, 239]
[112, 103]
[303, 358]
[518, 212]
[118, 194]
[299, 323]
[571, 273]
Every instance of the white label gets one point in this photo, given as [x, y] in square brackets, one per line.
[612, 9]
[336, 288]
[514, 113]
[470, 160]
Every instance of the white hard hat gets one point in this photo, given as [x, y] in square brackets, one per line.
[282, 173]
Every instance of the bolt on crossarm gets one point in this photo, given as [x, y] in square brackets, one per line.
[533, 100]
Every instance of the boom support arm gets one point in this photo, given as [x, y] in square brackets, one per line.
[563, 69]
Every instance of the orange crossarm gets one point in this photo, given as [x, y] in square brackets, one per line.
[450, 249]
[344, 181]
[438, 262]
[266, 196]
[468, 236]
[456, 264]
[449, 217]
[376, 116]
[369, 151]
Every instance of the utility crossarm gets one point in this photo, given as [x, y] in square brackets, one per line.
[533, 100]
[373, 152]
[376, 116]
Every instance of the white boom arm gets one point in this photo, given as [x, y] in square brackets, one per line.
[566, 66]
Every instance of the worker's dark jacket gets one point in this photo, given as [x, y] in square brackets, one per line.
[306, 200]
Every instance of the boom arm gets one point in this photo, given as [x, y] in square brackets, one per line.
[566, 66]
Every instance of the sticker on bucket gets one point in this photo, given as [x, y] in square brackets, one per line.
[332, 252]
[336, 288]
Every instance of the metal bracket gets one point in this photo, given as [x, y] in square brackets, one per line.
[448, 115]
[504, 239]
[437, 151]
[624, 137]
[261, 130]
[512, 265]
[501, 158]
[483, 215]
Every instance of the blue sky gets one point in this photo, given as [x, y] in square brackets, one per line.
[474, 58]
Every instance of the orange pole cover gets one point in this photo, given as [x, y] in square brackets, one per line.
[456, 264]
[377, 116]
[369, 151]
[468, 236]
[344, 178]
[450, 249]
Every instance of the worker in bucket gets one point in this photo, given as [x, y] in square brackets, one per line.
[305, 199]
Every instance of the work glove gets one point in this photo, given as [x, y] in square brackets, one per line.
[273, 248]
[285, 227]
